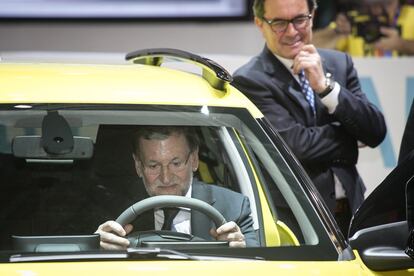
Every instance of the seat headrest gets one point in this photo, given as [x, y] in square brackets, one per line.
[113, 151]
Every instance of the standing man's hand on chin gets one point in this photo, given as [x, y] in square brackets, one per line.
[309, 60]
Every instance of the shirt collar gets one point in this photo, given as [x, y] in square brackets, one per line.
[182, 220]
[288, 63]
[188, 194]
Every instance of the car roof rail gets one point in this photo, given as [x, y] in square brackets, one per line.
[212, 72]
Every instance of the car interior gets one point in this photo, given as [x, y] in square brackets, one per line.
[58, 193]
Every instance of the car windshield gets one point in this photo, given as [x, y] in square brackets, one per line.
[54, 196]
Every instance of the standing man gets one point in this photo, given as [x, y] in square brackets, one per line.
[314, 99]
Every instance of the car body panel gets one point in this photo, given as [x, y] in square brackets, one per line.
[272, 233]
[242, 267]
[118, 84]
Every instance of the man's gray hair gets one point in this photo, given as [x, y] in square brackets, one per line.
[163, 132]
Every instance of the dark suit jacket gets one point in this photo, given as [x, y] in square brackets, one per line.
[324, 144]
[407, 142]
[233, 206]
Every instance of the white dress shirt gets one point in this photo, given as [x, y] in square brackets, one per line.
[331, 102]
[181, 222]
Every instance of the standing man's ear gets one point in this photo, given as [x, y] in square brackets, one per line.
[259, 23]
[313, 18]
[138, 165]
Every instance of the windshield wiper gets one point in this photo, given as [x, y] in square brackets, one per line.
[131, 253]
[158, 253]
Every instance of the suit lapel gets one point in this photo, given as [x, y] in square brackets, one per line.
[284, 80]
[200, 224]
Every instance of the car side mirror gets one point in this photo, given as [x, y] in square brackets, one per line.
[382, 224]
[409, 250]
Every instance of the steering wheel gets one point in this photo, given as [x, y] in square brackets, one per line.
[161, 238]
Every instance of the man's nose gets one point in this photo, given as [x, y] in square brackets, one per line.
[165, 174]
[290, 29]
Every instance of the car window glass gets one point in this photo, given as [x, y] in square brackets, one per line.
[52, 196]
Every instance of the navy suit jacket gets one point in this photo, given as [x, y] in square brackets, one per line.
[324, 144]
[233, 206]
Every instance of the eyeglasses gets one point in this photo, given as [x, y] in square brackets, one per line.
[174, 166]
[281, 25]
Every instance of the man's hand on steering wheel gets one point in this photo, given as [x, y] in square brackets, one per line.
[231, 232]
[111, 235]
[114, 236]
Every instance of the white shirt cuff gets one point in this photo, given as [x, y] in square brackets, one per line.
[331, 100]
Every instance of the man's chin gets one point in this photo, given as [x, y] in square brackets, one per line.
[170, 190]
[292, 50]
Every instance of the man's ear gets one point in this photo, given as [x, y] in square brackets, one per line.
[259, 23]
[194, 160]
[313, 17]
[138, 165]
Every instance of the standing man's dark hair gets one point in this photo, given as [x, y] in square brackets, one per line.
[259, 11]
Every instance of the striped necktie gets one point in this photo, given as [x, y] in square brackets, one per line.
[307, 91]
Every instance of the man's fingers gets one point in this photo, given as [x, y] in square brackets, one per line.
[113, 239]
[230, 226]
[237, 244]
[309, 48]
[232, 236]
[110, 246]
[213, 233]
[308, 59]
[112, 226]
[111, 234]
[128, 228]
[231, 232]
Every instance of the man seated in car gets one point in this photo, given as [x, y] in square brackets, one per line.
[165, 159]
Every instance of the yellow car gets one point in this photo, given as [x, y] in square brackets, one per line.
[66, 166]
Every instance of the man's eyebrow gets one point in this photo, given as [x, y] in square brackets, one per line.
[157, 162]
[176, 158]
[282, 19]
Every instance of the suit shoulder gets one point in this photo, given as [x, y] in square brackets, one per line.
[225, 191]
[222, 192]
[337, 60]
[254, 64]
[332, 54]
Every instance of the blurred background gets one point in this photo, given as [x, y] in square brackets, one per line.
[203, 26]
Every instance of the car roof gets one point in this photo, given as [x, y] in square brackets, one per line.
[113, 83]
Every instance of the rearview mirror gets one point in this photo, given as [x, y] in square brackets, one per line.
[31, 147]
